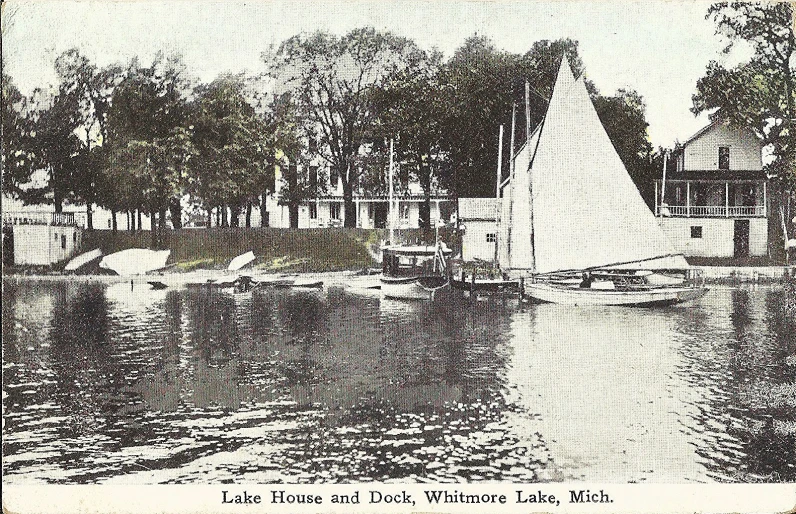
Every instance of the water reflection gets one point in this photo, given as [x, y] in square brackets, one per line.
[107, 384]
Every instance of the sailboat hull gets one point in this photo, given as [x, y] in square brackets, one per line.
[566, 295]
[414, 288]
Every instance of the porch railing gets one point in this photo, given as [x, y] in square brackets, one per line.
[39, 218]
[712, 211]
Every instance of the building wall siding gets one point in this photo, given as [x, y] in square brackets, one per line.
[703, 152]
[42, 244]
[717, 236]
[474, 244]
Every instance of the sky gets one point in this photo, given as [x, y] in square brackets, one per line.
[659, 48]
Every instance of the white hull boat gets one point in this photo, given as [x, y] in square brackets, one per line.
[642, 297]
[415, 288]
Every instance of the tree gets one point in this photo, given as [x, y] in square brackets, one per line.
[300, 180]
[482, 83]
[90, 90]
[16, 152]
[623, 117]
[411, 109]
[332, 80]
[149, 140]
[55, 146]
[758, 94]
[231, 149]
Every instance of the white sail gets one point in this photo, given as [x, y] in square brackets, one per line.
[587, 211]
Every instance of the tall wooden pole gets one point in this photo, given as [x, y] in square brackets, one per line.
[497, 191]
[391, 210]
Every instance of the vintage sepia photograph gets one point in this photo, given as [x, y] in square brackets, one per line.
[375, 242]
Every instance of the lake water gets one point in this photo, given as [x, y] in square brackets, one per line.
[102, 384]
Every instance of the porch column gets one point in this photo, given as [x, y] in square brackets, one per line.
[688, 199]
[726, 199]
[765, 200]
[357, 217]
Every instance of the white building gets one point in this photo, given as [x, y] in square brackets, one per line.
[478, 228]
[372, 210]
[716, 203]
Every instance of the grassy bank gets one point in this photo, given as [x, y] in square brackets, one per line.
[301, 250]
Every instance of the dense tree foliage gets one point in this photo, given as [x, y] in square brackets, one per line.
[148, 138]
[332, 79]
[138, 138]
[231, 149]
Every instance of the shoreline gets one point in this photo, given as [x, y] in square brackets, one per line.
[727, 275]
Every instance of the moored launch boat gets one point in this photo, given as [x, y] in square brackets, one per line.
[414, 272]
[579, 230]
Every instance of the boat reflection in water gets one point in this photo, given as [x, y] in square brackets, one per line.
[328, 385]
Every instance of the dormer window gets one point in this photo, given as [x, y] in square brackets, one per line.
[724, 157]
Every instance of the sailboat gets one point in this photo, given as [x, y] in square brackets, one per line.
[412, 272]
[578, 228]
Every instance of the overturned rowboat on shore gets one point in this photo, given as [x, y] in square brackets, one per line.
[135, 261]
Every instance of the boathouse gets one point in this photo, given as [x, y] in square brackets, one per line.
[716, 202]
[41, 239]
[478, 228]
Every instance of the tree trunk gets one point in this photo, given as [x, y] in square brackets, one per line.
[115, 224]
[209, 222]
[293, 214]
[224, 217]
[138, 215]
[248, 214]
[264, 211]
[153, 227]
[349, 207]
[234, 215]
[218, 216]
[89, 217]
[162, 219]
[175, 208]
[425, 183]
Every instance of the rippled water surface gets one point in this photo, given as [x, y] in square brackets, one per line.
[102, 384]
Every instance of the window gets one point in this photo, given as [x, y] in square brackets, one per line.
[334, 211]
[490, 238]
[63, 242]
[724, 157]
[56, 237]
[696, 232]
[74, 237]
[109, 224]
[313, 211]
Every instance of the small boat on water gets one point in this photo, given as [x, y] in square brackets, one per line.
[486, 286]
[414, 272]
[579, 231]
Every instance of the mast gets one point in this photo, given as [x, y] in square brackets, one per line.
[511, 183]
[497, 191]
[391, 213]
[663, 181]
[530, 182]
